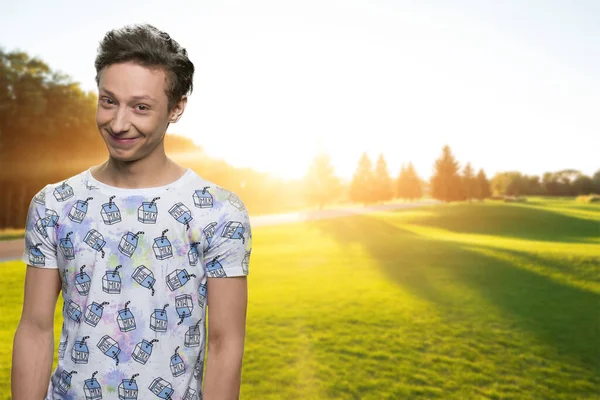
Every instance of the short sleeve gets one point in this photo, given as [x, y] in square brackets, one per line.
[40, 243]
[229, 245]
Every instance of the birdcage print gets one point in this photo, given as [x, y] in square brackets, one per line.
[214, 269]
[109, 347]
[181, 214]
[148, 212]
[95, 240]
[93, 313]
[159, 320]
[36, 257]
[199, 367]
[235, 201]
[62, 347]
[111, 281]
[246, 262]
[128, 389]
[201, 294]
[63, 383]
[73, 311]
[193, 254]
[80, 353]
[40, 198]
[178, 278]
[125, 319]
[177, 364]
[144, 277]
[162, 247]
[184, 306]
[129, 243]
[190, 394]
[233, 230]
[66, 247]
[161, 388]
[79, 210]
[203, 198]
[192, 336]
[143, 351]
[82, 282]
[110, 212]
[92, 389]
[63, 192]
[209, 231]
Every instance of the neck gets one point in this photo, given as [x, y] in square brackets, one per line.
[154, 170]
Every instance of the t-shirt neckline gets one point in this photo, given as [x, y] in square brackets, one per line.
[92, 182]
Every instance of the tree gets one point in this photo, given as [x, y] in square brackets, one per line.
[445, 182]
[482, 186]
[362, 185]
[408, 184]
[382, 181]
[468, 182]
[321, 184]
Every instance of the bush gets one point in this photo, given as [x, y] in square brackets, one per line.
[591, 198]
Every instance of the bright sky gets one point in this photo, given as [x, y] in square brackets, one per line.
[509, 85]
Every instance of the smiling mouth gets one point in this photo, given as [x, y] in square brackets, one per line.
[123, 140]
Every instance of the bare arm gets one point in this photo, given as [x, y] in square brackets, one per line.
[227, 304]
[33, 344]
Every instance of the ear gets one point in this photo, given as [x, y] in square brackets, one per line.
[177, 110]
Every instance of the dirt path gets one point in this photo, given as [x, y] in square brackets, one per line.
[12, 249]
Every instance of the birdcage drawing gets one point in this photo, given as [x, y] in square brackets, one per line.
[73, 311]
[128, 389]
[82, 282]
[246, 262]
[93, 313]
[63, 383]
[36, 257]
[162, 247]
[92, 388]
[79, 210]
[193, 254]
[177, 364]
[129, 242]
[63, 192]
[110, 212]
[214, 268]
[184, 306]
[144, 277]
[203, 198]
[110, 348]
[148, 212]
[95, 240]
[233, 230]
[190, 394]
[80, 353]
[66, 246]
[193, 336]
[161, 388]
[178, 278]
[235, 201]
[159, 320]
[143, 351]
[111, 281]
[181, 214]
[209, 231]
[201, 294]
[125, 319]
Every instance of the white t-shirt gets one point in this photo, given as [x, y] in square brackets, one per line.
[134, 265]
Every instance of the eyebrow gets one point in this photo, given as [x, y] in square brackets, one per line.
[142, 97]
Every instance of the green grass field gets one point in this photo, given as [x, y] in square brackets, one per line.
[461, 301]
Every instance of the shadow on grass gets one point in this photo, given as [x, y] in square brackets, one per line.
[510, 221]
[564, 317]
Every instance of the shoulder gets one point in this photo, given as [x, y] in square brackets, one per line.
[208, 194]
[66, 188]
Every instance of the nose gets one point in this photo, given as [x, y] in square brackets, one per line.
[120, 122]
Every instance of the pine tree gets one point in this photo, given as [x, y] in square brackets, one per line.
[382, 181]
[415, 190]
[468, 182]
[362, 185]
[322, 186]
[483, 188]
[445, 182]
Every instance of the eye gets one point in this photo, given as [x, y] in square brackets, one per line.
[142, 107]
[106, 100]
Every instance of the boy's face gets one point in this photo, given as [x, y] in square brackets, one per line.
[132, 114]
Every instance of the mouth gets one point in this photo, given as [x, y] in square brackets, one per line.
[123, 140]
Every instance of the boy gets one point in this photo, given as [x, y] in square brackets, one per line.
[140, 246]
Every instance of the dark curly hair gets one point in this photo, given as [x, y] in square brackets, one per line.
[145, 45]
